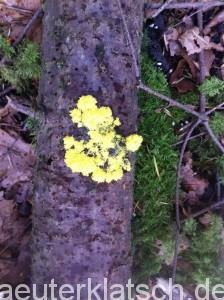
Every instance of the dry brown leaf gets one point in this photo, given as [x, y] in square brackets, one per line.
[206, 219]
[178, 80]
[208, 61]
[11, 239]
[193, 184]
[171, 41]
[17, 159]
[4, 111]
[194, 43]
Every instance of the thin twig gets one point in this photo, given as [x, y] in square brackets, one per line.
[202, 103]
[162, 8]
[171, 101]
[201, 63]
[17, 8]
[204, 210]
[20, 108]
[38, 14]
[134, 58]
[213, 136]
[7, 91]
[177, 200]
[188, 5]
[191, 138]
[185, 127]
[219, 106]
[3, 124]
[202, 53]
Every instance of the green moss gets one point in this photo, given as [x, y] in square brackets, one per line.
[155, 186]
[154, 193]
[27, 62]
[5, 48]
[190, 227]
[204, 253]
[33, 126]
[22, 65]
[212, 87]
[217, 124]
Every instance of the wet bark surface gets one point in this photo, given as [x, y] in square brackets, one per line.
[82, 229]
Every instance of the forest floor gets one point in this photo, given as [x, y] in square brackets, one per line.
[178, 228]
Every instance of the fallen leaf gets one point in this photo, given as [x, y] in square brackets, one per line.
[209, 59]
[171, 41]
[12, 237]
[206, 219]
[193, 42]
[178, 80]
[17, 160]
[193, 184]
[4, 111]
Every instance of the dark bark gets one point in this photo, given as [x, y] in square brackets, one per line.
[82, 229]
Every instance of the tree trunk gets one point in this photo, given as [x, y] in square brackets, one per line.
[82, 229]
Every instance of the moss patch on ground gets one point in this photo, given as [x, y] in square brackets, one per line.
[154, 214]
[21, 65]
[155, 172]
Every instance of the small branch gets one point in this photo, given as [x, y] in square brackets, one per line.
[177, 199]
[17, 8]
[215, 108]
[204, 210]
[11, 126]
[188, 5]
[162, 8]
[38, 14]
[135, 62]
[6, 91]
[191, 138]
[184, 128]
[202, 103]
[213, 137]
[171, 101]
[201, 63]
[20, 108]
